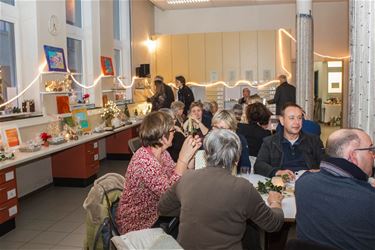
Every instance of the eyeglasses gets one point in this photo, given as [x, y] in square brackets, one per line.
[371, 149]
[172, 130]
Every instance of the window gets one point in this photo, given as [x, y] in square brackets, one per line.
[11, 2]
[118, 66]
[116, 19]
[73, 12]
[74, 47]
[8, 81]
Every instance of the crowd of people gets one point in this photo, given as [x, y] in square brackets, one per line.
[335, 200]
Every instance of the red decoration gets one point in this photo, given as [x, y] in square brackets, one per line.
[44, 136]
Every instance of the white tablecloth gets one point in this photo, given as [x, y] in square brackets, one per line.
[288, 203]
[331, 110]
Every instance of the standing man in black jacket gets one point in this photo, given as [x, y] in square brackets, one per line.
[184, 93]
[285, 92]
[169, 95]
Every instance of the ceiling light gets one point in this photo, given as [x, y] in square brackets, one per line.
[186, 1]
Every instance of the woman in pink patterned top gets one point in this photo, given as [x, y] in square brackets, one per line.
[151, 172]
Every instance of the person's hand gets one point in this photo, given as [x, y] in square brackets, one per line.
[314, 170]
[274, 199]
[290, 174]
[371, 181]
[190, 146]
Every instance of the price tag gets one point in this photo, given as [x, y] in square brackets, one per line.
[11, 194]
[96, 157]
[9, 176]
[12, 211]
[95, 144]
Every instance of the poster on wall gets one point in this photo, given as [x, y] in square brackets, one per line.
[80, 117]
[55, 58]
[11, 137]
[107, 66]
[334, 82]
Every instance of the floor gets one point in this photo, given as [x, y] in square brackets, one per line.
[54, 218]
[326, 131]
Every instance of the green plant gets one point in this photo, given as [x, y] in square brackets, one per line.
[266, 187]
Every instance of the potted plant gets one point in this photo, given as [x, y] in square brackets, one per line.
[110, 111]
[44, 136]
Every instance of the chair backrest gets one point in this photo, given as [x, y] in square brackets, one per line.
[134, 144]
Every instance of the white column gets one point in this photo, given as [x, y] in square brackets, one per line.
[305, 57]
[361, 105]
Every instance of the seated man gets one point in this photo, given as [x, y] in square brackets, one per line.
[336, 206]
[290, 150]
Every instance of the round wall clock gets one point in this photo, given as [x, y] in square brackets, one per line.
[53, 25]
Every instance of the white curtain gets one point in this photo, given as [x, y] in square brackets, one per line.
[361, 105]
[305, 64]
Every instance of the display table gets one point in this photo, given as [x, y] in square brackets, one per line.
[74, 163]
[330, 110]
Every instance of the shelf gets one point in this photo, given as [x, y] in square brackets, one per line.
[60, 73]
[59, 92]
[112, 90]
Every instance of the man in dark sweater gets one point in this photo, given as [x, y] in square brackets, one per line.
[184, 93]
[285, 92]
[336, 206]
[291, 149]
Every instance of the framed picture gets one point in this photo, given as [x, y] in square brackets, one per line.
[107, 66]
[80, 117]
[55, 58]
[11, 137]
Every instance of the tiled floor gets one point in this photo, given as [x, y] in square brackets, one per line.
[54, 218]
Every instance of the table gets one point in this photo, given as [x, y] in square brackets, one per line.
[331, 110]
[277, 240]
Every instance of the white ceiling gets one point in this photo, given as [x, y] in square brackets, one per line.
[162, 4]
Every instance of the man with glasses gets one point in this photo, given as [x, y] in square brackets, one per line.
[336, 206]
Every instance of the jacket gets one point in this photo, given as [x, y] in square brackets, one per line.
[270, 155]
[186, 96]
[214, 206]
[284, 93]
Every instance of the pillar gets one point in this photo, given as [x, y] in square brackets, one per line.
[305, 57]
[361, 100]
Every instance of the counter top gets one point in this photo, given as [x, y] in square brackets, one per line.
[22, 157]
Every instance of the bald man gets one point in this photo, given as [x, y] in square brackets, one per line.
[336, 206]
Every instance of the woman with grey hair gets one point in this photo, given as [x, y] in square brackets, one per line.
[213, 205]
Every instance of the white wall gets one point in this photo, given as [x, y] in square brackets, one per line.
[330, 22]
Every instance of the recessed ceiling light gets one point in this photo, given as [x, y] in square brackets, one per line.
[186, 1]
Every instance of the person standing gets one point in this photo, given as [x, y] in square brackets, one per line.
[285, 92]
[245, 93]
[336, 206]
[184, 93]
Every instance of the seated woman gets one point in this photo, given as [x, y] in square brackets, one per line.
[258, 117]
[195, 120]
[178, 110]
[227, 120]
[151, 172]
[179, 137]
[213, 205]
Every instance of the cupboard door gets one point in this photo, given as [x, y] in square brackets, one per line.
[266, 55]
[231, 56]
[214, 57]
[164, 58]
[197, 64]
[180, 55]
[249, 55]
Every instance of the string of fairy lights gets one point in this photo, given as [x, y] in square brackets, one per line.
[254, 84]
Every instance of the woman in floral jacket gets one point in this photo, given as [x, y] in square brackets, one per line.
[151, 172]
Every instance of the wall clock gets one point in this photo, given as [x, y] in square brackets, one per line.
[53, 25]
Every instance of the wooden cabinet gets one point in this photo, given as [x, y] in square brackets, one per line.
[8, 200]
[76, 166]
[117, 144]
